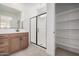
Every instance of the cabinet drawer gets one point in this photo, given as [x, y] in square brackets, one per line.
[4, 49]
[4, 41]
[2, 36]
[2, 44]
[25, 38]
[11, 36]
[24, 34]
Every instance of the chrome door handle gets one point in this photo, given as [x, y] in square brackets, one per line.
[54, 32]
[37, 30]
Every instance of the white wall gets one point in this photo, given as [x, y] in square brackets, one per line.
[51, 29]
[35, 10]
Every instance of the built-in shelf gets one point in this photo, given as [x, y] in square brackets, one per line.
[66, 29]
[66, 38]
[67, 21]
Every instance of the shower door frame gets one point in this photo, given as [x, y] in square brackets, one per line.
[37, 30]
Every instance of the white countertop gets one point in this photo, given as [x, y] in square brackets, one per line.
[8, 31]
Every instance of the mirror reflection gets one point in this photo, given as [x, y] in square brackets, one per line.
[9, 18]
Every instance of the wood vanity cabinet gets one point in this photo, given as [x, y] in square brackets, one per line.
[14, 44]
[10, 43]
[24, 39]
[4, 45]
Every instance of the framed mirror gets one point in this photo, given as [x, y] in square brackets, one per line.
[9, 18]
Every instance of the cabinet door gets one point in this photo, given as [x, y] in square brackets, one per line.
[24, 42]
[15, 44]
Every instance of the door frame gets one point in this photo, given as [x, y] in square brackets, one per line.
[36, 30]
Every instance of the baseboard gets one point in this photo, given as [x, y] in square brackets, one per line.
[72, 49]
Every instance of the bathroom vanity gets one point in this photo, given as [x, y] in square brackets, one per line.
[13, 37]
[13, 42]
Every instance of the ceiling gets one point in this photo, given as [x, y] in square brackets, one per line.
[34, 4]
[61, 7]
[31, 4]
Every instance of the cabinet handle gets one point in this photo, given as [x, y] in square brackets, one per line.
[1, 36]
[20, 38]
[1, 42]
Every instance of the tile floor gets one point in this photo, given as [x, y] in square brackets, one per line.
[32, 50]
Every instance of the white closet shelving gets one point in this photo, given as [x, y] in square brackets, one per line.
[67, 28]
